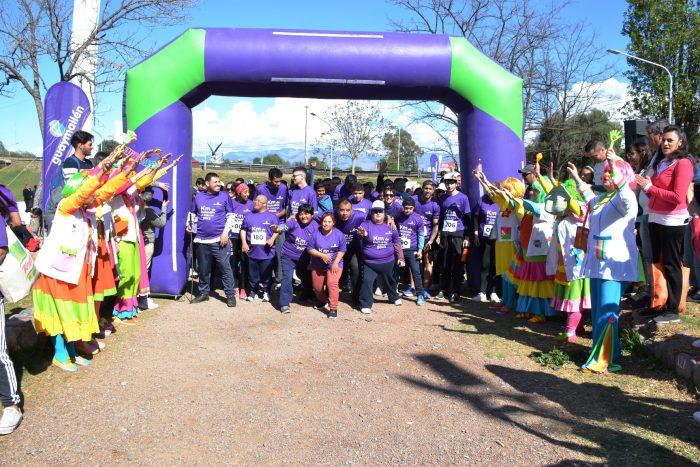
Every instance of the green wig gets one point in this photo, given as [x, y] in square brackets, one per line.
[570, 187]
[541, 195]
[74, 183]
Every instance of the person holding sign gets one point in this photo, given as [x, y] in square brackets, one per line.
[242, 206]
[214, 216]
[327, 247]
[258, 242]
[454, 236]
[381, 246]
[412, 234]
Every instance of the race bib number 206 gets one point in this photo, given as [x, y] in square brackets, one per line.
[449, 225]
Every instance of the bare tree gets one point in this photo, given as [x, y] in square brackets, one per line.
[533, 40]
[34, 32]
[356, 128]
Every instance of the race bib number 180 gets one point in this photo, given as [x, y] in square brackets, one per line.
[257, 238]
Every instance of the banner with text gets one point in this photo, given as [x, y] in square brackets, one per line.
[66, 109]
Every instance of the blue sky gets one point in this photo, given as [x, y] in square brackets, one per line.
[20, 130]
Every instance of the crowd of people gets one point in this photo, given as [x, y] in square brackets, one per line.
[570, 248]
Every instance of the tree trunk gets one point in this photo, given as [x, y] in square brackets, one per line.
[40, 115]
[354, 159]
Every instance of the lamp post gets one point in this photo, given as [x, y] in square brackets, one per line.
[331, 127]
[670, 76]
[306, 131]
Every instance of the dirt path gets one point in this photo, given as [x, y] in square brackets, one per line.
[202, 384]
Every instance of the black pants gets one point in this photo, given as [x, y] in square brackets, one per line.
[667, 243]
[9, 393]
[239, 264]
[353, 263]
[487, 248]
[452, 269]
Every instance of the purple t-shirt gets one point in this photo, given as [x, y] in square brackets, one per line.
[395, 208]
[486, 216]
[329, 244]
[378, 246]
[298, 196]
[257, 226]
[364, 206]
[240, 210]
[276, 198]
[8, 199]
[409, 228]
[454, 208]
[297, 238]
[341, 191]
[349, 227]
[429, 211]
[211, 211]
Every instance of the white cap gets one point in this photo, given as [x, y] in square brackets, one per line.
[442, 187]
[451, 176]
[378, 205]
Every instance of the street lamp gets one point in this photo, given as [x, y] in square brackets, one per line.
[670, 76]
[331, 127]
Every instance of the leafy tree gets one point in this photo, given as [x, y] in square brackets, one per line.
[270, 159]
[356, 128]
[320, 163]
[108, 145]
[403, 142]
[667, 33]
[3, 150]
[562, 140]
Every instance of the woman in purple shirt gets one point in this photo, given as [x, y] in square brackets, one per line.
[258, 242]
[242, 206]
[327, 247]
[295, 258]
[380, 247]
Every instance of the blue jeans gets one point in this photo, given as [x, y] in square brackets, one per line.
[288, 268]
[369, 274]
[207, 255]
[415, 266]
[260, 273]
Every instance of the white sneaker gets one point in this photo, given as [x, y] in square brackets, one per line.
[266, 298]
[253, 297]
[481, 297]
[398, 302]
[494, 298]
[151, 304]
[377, 291]
[365, 311]
[11, 418]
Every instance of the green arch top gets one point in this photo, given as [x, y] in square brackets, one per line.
[474, 76]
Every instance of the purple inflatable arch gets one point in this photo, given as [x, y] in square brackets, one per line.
[161, 91]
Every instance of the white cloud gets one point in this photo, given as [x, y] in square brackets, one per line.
[611, 96]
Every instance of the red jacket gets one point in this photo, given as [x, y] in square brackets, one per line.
[669, 191]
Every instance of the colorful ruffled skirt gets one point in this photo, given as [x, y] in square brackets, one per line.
[63, 308]
[127, 305]
[505, 252]
[103, 282]
[509, 278]
[535, 288]
[573, 297]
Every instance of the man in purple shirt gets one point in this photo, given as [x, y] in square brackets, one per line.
[9, 394]
[275, 191]
[213, 212]
[358, 200]
[429, 209]
[258, 241]
[454, 236]
[345, 191]
[412, 234]
[347, 221]
[300, 193]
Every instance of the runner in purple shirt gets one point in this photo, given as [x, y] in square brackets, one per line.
[359, 202]
[242, 206]
[381, 244]
[295, 258]
[300, 192]
[412, 232]
[454, 236]
[327, 247]
[347, 221]
[391, 206]
[258, 241]
[429, 209]
[344, 191]
[276, 193]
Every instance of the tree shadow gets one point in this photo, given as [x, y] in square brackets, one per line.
[588, 406]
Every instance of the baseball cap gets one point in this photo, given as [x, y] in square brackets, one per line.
[442, 187]
[378, 205]
[451, 176]
[528, 169]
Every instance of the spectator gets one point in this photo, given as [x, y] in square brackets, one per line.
[27, 196]
[668, 191]
[82, 148]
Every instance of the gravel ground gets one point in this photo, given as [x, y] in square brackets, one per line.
[205, 384]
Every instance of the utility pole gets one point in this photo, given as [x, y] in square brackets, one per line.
[306, 132]
[398, 154]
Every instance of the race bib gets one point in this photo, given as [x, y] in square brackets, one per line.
[405, 243]
[487, 230]
[258, 238]
[237, 223]
[449, 225]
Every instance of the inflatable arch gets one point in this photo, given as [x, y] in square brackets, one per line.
[161, 91]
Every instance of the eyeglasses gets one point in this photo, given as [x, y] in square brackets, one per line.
[388, 195]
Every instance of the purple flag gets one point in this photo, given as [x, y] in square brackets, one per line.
[434, 166]
[66, 108]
